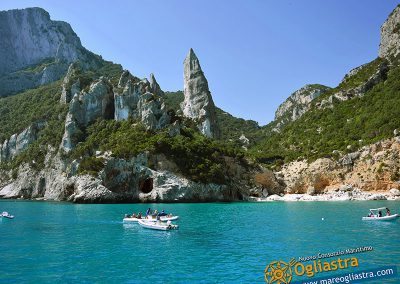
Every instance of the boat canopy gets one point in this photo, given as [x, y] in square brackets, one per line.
[377, 209]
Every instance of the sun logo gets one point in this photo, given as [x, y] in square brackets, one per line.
[279, 272]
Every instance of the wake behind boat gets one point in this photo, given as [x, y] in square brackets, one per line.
[7, 215]
[161, 226]
[376, 215]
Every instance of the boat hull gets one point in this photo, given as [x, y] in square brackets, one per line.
[156, 226]
[7, 215]
[384, 218]
[164, 219]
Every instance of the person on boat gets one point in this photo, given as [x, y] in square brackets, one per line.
[380, 214]
[162, 213]
[387, 212]
[133, 215]
[370, 214]
[148, 212]
[139, 215]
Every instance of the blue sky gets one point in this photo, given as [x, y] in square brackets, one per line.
[254, 53]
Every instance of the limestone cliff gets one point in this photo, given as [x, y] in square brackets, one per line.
[20, 141]
[298, 103]
[36, 50]
[141, 100]
[85, 108]
[372, 168]
[390, 35]
[198, 103]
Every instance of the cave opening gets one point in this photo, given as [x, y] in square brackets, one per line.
[146, 186]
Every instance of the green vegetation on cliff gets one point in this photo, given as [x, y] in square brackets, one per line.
[355, 122]
[231, 127]
[197, 157]
[20, 111]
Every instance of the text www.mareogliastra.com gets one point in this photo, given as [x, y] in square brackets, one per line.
[375, 274]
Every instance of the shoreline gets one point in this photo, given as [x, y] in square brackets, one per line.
[293, 197]
[355, 195]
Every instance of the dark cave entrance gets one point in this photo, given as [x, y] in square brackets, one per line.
[146, 186]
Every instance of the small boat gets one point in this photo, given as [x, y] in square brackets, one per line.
[376, 215]
[162, 226]
[7, 215]
[151, 219]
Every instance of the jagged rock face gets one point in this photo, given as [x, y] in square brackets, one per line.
[28, 38]
[390, 35]
[378, 76]
[198, 103]
[154, 86]
[142, 100]
[71, 84]
[120, 181]
[85, 108]
[371, 168]
[19, 142]
[299, 102]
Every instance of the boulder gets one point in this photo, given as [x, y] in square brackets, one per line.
[377, 196]
[394, 192]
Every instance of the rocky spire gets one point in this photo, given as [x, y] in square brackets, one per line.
[198, 103]
[390, 35]
[154, 86]
[71, 83]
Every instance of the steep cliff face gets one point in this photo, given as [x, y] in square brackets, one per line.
[298, 103]
[71, 83]
[36, 50]
[390, 35]
[85, 108]
[20, 141]
[372, 168]
[198, 103]
[141, 100]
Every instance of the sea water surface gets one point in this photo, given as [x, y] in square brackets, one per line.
[51, 242]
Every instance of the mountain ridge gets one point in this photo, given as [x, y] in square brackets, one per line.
[108, 136]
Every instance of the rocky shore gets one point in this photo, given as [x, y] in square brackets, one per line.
[350, 195]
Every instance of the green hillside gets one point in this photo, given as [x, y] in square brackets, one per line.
[231, 127]
[355, 122]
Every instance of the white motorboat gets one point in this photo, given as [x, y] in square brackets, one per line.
[376, 215]
[162, 226]
[151, 219]
[7, 215]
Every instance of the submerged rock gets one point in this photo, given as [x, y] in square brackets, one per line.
[198, 103]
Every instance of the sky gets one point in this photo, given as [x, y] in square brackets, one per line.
[254, 53]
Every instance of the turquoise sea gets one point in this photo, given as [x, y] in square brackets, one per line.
[51, 242]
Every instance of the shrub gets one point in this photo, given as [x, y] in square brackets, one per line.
[91, 166]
